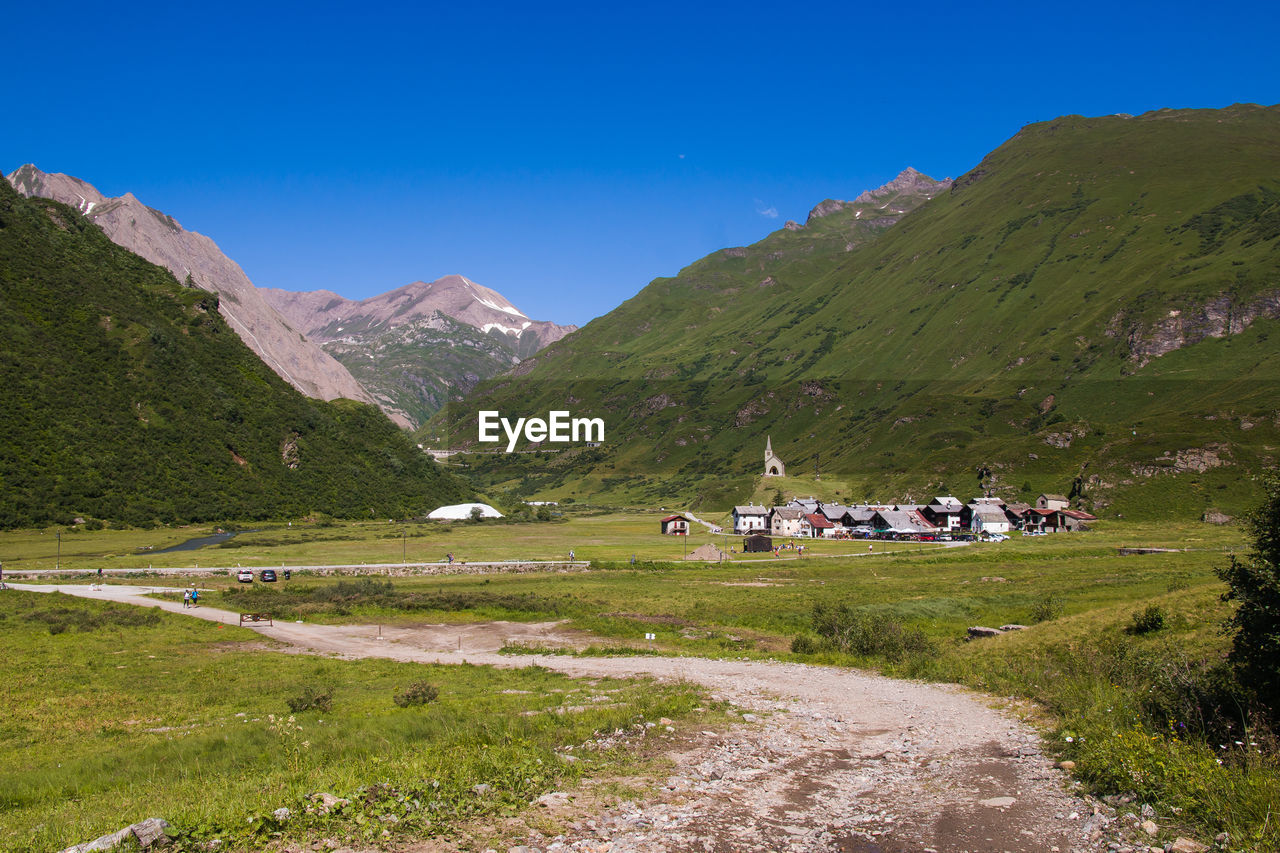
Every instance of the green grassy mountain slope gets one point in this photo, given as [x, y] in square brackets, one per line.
[126, 397]
[1090, 309]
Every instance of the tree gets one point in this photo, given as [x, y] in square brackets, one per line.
[1254, 584]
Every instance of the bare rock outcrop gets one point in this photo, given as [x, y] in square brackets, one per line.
[196, 260]
[1183, 327]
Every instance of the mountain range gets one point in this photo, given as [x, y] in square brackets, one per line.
[409, 351]
[1090, 309]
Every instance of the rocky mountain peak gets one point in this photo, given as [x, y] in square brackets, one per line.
[904, 193]
[329, 317]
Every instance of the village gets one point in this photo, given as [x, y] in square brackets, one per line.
[945, 518]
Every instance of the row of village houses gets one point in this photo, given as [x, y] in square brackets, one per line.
[809, 518]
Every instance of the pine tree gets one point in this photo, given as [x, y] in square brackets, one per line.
[1254, 584]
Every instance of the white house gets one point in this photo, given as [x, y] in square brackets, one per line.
[750, 519]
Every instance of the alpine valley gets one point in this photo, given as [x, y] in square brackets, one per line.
[1092, 310]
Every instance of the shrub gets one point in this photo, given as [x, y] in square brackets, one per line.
[803, 644]
[1046, 609]
[418, 693]
[1151, 619]
[844, 629]
[312, 699]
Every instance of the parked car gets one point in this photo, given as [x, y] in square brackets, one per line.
[268, 575]
[245, 576]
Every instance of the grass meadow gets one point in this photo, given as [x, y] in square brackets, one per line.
[111, 714]
[590, 535]
[1137, 711]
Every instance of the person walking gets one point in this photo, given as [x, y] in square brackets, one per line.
[195, 596]
[570, 555]
[186, 598]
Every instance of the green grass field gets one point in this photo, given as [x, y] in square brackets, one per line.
[1108, 698]
[590, 535]
[113, 714]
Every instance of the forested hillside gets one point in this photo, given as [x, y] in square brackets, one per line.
[125, 397]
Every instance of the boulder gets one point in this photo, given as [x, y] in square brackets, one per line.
[148, 833]
[978, 632]
[1187, 845]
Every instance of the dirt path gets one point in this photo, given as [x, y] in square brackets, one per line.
[826, 759]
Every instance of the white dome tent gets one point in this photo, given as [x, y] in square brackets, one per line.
[462, 512]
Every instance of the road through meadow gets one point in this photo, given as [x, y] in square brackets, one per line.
[826, 759]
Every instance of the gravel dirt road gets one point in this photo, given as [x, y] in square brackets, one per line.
[825, 759]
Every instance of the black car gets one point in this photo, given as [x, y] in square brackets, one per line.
[268, 575]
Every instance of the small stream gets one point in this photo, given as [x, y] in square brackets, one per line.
[202, 541]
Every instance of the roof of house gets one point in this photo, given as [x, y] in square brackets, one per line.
[751, 509]
[674, 518]
[905, 521]
[807, 504]
[989, 512]
[788, 513]
[1018, 509]
[1049, 497]
[834, 512]
[946, 504]
[1078, 514]
[819, 521]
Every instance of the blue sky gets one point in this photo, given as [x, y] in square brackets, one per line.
[566, 154]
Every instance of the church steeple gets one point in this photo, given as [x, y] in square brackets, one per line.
[773, 466]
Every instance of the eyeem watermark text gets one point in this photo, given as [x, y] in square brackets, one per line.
[558, 427]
